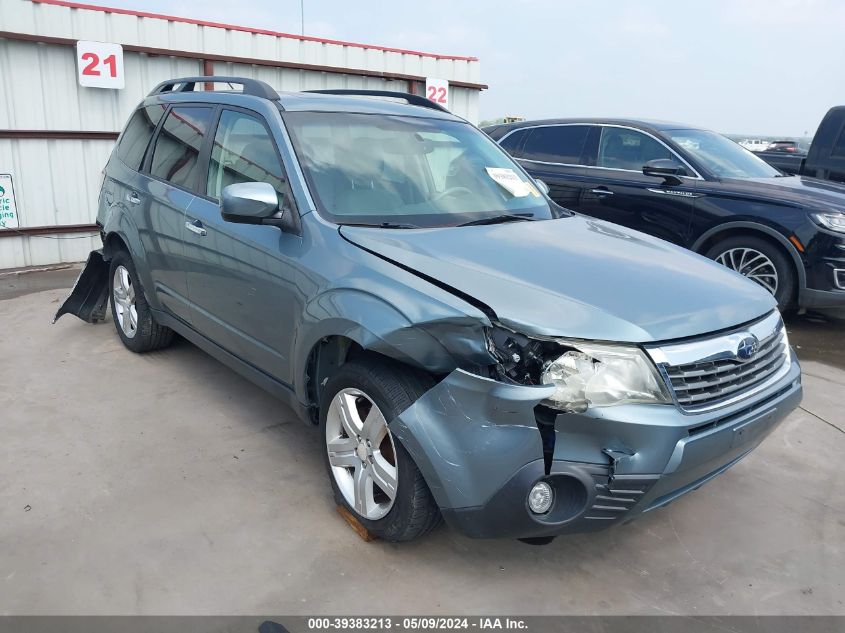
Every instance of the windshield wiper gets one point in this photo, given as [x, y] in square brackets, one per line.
[500, 219]
[383, 225]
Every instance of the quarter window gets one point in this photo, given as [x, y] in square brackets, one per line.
[243, 151]
[512, 142]
[136, 137]
[556, 144]
[178, 145]
[621, 148]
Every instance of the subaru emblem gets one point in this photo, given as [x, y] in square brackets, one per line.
[747, 348]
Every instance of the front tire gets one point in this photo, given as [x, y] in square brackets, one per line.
[133, 319]
[760, 261]
[371, 473]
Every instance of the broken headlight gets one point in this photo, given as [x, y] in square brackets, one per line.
[593, 375]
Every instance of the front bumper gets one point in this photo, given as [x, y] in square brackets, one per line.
[825, 271]
[478, 445]
[819, 299]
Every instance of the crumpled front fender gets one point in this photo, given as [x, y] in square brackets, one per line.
[469, 434]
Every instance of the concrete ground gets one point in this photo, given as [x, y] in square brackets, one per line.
[165, 483]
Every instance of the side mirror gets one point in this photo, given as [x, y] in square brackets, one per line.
[249, 203]
[665, 168]
[542, 186]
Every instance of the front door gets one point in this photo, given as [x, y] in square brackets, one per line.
[242, 277]
[616, 190]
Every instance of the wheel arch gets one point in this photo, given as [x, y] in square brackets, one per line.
[330, 353]
[732, 229]
[343, 323]
[113, 242]
[323, 359]
[121, 233]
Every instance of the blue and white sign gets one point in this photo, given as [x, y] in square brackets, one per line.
[8, 208]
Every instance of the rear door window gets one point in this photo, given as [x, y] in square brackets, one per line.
[556, 144]
[178, 145]
[136, 137]
[243, 151]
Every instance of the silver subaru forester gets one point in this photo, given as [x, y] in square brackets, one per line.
[468, 349]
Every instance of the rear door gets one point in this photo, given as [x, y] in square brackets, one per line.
[125, 190]
[616, 190]
[122, 175]
[554, 154]
[171, 188]
[242, 277]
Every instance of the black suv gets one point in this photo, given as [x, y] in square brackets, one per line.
[697, 189]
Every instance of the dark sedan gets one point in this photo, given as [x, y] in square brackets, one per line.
[697, 189]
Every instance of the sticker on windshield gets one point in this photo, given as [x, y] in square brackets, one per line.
[510, 182]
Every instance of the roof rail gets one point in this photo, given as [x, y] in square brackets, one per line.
[254, 87]
[412, 99]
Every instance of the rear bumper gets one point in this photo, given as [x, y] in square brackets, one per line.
[89, 297]
[604, 471]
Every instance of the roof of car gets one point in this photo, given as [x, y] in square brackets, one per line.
[319, 102]
[644, 124]
[314, 102]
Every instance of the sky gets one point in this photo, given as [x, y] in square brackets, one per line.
[751, 67]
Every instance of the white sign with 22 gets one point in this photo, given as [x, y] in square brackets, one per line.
[437, 90]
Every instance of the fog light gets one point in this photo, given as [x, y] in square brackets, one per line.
[540, 498]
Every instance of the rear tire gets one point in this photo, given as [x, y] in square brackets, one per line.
[761, 261]
[133, 318]
[357, 402]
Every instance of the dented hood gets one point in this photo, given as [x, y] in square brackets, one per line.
[576, 277]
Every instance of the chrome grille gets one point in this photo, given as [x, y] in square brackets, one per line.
[707, 373]
[702, 383]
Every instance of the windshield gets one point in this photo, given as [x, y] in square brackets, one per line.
[720, 155]
[408, 171]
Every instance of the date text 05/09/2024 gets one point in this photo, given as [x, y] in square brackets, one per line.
[423, 623]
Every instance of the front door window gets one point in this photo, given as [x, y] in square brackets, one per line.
[243, 151]
[623, 148]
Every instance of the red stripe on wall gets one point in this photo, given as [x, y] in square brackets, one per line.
[246, 29]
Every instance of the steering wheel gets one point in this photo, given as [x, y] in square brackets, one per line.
[452, 191]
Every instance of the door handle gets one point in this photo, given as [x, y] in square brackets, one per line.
[601, 192]
[196, 227]
[133, 198]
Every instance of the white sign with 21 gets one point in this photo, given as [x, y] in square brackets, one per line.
[99, 65]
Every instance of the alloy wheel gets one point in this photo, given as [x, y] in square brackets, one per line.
[124, 301]
[753, 264]
[361, 453]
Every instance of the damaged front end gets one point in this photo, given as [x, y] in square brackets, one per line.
[594, 423]
[90, 295]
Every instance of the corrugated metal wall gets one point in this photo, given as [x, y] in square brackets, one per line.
[57, 180]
